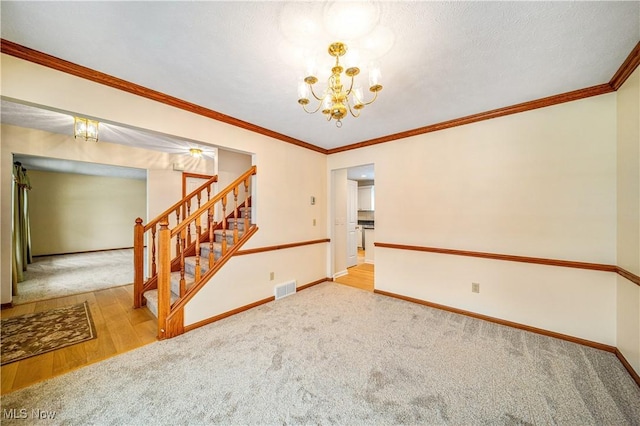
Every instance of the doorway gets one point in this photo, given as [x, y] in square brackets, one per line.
[353, 225]
[80, 226]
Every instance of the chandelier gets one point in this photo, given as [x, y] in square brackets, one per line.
[195, 152]
[86, 129]
[336, 102]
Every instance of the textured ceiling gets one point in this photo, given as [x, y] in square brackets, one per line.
[439, 60]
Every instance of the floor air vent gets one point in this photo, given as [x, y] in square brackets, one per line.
[284, 290]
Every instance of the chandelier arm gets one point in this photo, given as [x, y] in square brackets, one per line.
[351, 111]
[350, 86]
[372, 100]
[314, 94]
[312, 112]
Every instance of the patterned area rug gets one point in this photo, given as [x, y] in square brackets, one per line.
[28, 335]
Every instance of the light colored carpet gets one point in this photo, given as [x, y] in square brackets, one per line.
[64, 275]
[333, 354]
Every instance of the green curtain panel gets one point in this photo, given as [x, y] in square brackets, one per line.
[21, 231]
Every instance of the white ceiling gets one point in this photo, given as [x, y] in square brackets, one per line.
[446, 59]
[35, 117]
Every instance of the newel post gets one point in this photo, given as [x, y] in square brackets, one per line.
[164, 277]
[138, 262]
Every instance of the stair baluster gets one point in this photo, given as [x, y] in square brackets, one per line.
[153, 251]
[183, 284]
[235, 215]
[212, 226]
[246, 204]
[189, 224]
[198, 230]
[224, 224]
[178, 221]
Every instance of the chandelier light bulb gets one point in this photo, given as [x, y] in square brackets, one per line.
[303, 90]
[375, 78]
[358, 95]
[326, 104]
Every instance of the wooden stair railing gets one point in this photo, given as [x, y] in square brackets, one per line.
[181, 209]
[171, 316]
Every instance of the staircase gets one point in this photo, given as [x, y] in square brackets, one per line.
[151, 296]
[182, 259]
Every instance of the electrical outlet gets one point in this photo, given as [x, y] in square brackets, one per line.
[272, 275]
[475, 287]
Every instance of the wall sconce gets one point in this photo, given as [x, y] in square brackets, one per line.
[195, 152]
[85, 129]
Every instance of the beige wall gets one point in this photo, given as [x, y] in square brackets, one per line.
[287, 176]
[230, 166]
[74, 213]
[628, 298]
[540, 183]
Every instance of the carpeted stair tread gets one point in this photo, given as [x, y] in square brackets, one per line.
[231, 224]
[190, 265]
[204, 253]
[152, 300]
[218, 235]
[189, 279]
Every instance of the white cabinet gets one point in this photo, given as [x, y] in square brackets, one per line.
[366, 198]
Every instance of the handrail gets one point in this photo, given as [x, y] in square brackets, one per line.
[140, 230]
[215, 199]
[180, 203]
[171, 315]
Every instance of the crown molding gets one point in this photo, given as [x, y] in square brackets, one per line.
[44, 59]
[487, 115]
[626, 69]
[31, 55]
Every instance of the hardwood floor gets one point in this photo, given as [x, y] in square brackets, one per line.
[360, 276]
[119, 328]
